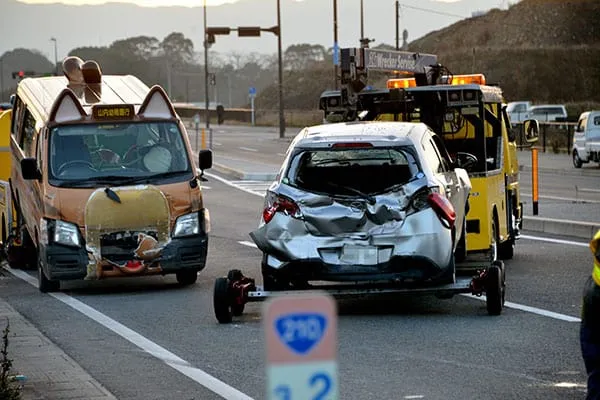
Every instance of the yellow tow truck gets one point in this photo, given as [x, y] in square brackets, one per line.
[6, 208]
[469, 114]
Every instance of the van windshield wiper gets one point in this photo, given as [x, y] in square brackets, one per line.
[369, 198]
[125, 180]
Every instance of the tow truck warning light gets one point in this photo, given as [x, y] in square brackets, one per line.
[404, 83]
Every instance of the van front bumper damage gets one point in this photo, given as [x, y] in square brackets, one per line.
[69, 263]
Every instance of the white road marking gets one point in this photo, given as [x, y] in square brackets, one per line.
[568, 199]
[248, 149]
[196, 374]
[247, 243]
[225, 181]
[557, 241]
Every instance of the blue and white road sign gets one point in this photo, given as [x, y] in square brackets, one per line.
[301, 337]
[336, 54]
[252, 91]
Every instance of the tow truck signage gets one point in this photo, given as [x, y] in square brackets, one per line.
[397, 60]
[301, 335]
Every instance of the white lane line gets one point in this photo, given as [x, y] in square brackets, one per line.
[557, 241]
[196, 374]
[247, 243]
[225, 181]
[532, 310]
[248, 149]
[570, 200]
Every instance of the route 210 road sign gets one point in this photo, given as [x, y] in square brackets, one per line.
[301, 342]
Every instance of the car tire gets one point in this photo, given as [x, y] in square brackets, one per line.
[187, 277]
[45, 285]
[577, 163]
[495, 289]
[222, 301]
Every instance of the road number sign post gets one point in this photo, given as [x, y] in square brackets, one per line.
[301, 343]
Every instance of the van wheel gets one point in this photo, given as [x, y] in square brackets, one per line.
[576, 160]
[45, 285]
[187, 277]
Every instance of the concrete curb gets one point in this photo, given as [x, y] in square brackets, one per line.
[583, 230]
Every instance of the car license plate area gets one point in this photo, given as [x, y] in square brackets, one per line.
[359, 255]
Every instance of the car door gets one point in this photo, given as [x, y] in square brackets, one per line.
[440, 163]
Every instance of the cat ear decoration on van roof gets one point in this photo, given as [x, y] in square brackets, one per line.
[66, 108]
[157, 105]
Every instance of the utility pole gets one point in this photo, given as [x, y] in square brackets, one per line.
[335, 44]
[55, 56]
[397, 25]
[280, 61]
[206, 100]
[1, 79]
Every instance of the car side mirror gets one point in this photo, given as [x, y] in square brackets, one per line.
[532, 130]
[465, 160]
[29, 169]
[204, 159]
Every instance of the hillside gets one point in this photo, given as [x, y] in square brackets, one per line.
[543, 50]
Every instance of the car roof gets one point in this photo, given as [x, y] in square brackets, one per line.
[547, 105]
[376, 132]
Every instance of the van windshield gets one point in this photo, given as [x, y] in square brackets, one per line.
[85, 155]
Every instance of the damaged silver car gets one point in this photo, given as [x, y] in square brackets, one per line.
[364, 202]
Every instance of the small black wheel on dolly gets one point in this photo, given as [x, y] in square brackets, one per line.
[235, 275]
[495, 288]
[222, 301]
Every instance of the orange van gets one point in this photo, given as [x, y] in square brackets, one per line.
[105, 183]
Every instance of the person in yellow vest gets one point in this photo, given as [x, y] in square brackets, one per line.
[590, 324]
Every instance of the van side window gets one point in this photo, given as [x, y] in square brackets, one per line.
[16, 120]
[27, 137]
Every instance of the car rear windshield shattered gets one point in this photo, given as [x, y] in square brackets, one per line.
[353, 172]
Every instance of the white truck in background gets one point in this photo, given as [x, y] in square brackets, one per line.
[586, 139]
[517, 111]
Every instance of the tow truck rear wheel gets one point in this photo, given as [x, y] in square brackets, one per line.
[222, 301]
[495, 288]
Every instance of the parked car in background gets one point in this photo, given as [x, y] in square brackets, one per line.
[547, 113]
[517, 110]
[366, 201]
[586, 140]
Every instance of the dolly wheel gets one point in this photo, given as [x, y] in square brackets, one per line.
[235, 275]
[494, 290]
[221, 301]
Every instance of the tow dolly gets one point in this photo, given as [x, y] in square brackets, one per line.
[231, 293]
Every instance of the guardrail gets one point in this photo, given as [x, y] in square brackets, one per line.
[554, 136]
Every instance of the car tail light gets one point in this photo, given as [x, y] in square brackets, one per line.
[276, 203]
[443, 208]
[351, 145]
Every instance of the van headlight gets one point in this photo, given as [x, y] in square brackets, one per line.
[187, 225]
[66, 233]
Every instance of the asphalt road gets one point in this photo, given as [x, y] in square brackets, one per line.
[149, 339]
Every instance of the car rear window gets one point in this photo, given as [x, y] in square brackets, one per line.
[368, 170]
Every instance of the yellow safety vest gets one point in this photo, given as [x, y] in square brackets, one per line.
[595, 247]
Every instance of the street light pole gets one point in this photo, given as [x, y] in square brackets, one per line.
[280, 62]
[55, 56]
[206, 72]
[335, 43]
[397, 25]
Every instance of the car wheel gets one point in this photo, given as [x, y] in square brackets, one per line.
[187, 277]
[45, 285]
[222, 301]
[494, 289]
[577, 163]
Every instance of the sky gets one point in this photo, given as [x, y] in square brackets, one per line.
[153, 3]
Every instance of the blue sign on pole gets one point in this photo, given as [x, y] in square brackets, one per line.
[252, 91]
[336, 53]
